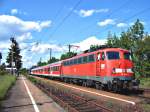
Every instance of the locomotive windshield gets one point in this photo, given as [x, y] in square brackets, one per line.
[127, 56]
[112, 55]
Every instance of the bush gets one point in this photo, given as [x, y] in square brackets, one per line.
[6, 81]
[145, 82]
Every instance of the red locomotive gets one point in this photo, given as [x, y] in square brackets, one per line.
[109, 67]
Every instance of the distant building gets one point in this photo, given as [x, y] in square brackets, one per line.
[11, 70]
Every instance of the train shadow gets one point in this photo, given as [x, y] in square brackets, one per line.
[131, 92]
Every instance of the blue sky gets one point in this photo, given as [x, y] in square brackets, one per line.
[32, 21]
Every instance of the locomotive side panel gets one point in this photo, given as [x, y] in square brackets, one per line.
[80, 70]
[80, 67]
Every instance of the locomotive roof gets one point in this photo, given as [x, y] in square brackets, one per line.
[105, 49]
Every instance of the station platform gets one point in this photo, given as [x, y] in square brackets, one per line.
[26, 97]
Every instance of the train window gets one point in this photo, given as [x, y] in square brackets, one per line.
[56, 68]
[103, 56]
[85, 59]
[71, 62]
[112, 55]
[79, 60]
[67, 63]
[127, 56]
[98, 56]
[91, 58]
[75, 61]
[49, 70]
[45, 70]
[64, 63]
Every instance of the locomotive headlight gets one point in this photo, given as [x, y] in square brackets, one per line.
[129, 70]
[117, 70]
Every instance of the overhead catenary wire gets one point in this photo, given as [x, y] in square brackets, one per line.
[107, 16]
[127, 19]
[55, 17]
[65, 18]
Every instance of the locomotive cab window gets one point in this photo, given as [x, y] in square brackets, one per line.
[98, 56]
[127, 56]
[111, 55]
[103, 56]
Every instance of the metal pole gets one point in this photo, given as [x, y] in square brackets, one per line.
[0, 57]
[12, 44]
[69, 47]
[50, 54]
[12, 61]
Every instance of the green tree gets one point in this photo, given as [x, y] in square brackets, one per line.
[113, 41]
[41, 63]
[52, 60]
[2, 69]
[14, 55]
[144, 55]
[67, 55]
[137, 35]
[24, 71]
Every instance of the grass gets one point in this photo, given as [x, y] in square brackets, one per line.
[145, 82]
[6, 81]
[146, 107]
[32, 79]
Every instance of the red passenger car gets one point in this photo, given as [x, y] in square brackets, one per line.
[52, 70]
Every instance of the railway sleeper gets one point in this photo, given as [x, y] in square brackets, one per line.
[87, 108]
[92, 110]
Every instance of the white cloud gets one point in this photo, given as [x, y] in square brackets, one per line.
[24, 36]
[14, 11]
[106, 22]
[85, 44]
[121, 25]
[101, 10]
[45, 24]
[43, 48]
[11, 25]
[4, 45]
[86, 13]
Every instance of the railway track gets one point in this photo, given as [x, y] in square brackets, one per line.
[145, 90]
[72, 102]
[80, 102]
